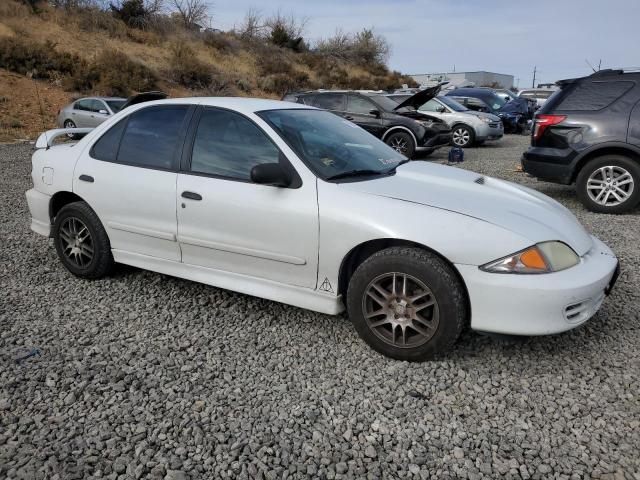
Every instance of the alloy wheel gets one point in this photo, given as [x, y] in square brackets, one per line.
[399, 144]
[610, 185]
[400, 310]
[77, 244]
[69, 124]
[461, 137]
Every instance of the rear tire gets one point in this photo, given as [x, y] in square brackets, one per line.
[463, 136]
[69, 124]
[402, 143]
[609, 184]
[81, 241]
[407, 303]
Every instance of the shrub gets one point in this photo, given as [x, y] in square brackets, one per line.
[286, 32]
[131, 12]
[274, 64]
[114, 73]
[281, 83]
[220, 41]
[365, 47]
[40, 59]
[187, 70]
[95, 20]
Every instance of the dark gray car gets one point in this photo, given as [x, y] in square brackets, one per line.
[89, 112]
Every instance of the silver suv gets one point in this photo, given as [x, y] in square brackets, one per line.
[468, 127]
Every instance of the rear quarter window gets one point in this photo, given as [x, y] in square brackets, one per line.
[588, 96]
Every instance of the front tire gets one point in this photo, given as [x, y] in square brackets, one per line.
[402, 143]
[463, 136]
[81, 241]
[609, 184]
[407, 303]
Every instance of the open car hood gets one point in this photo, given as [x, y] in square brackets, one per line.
[144, 97]
[420, 98]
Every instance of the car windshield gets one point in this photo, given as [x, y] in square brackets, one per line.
[332, 146]
[453, 105]
[536, 93]
[494, 101]
[115, 105]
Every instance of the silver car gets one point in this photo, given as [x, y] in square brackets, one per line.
[89, 112]
[468, 127]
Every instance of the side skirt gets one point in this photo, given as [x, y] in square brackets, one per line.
[258, 287]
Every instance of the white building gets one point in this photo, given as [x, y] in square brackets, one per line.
[465, 79]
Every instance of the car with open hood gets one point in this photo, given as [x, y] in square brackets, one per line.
[295, 204]
[468, 127]
[400, 126]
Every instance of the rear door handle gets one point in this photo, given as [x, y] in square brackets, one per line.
[191, 195]
[86, 178]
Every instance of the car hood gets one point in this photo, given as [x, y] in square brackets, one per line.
[420, 98]
[518, 209]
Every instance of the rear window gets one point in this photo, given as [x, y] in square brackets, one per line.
[588, 96]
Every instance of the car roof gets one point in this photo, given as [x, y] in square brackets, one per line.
[240, 104]
[101, 98]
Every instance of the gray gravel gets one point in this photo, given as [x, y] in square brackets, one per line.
[147, 376]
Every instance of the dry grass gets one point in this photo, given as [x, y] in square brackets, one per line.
[217, 63]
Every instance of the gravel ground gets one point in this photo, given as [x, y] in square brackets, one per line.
[147, 376]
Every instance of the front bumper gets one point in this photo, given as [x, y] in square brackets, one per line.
[540, 304]
[39, 208]
[435, 141]
[489, 131]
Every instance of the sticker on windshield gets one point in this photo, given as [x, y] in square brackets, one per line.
[359, 145]
[387, 161]
[327, 161]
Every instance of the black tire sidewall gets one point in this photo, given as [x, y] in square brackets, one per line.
[431, 270]
[412, 147]
[102, 259]
[629, 164]
[472, 136]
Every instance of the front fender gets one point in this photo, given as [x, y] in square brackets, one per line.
[349, 218]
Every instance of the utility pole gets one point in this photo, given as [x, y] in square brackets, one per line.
[533, 83]
[599, 64]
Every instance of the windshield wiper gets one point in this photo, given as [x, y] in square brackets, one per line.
[356, 173]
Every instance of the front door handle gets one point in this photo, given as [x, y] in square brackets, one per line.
[192, 195]
[349, 117]
[86, 178]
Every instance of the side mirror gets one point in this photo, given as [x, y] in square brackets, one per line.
[374, 112]
[441, 109]
[270, 174]
[103, 112]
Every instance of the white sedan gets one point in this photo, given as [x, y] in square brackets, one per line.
[294, 204]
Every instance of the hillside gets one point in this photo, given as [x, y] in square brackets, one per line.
[71, 52]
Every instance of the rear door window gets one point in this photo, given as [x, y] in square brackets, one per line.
[84, 105]
[359, 105]
[330, 101]
[589, 95]
[152, 137]
[106, 148]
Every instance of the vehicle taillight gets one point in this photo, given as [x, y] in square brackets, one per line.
[543, 121]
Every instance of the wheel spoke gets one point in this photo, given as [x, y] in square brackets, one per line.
[379, 323]
[381, 301]
[377, 313]
[424, 305]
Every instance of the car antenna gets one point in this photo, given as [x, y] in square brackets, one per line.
[44, 126]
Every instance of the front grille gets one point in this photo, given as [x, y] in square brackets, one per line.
[493, 125]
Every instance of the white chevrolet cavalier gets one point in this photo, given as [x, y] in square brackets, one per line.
[294, 204]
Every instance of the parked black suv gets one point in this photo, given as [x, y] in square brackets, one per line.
[400, 126]
[588, 132]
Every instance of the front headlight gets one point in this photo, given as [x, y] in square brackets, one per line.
[544, 257]
[486, 119]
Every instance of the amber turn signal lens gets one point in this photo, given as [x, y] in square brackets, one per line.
[533, 259]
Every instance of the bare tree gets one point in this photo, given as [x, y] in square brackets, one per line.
[192, 13]
[252, 26]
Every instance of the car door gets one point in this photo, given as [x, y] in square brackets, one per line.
[228, 223]
[436, 109]
[334, 102]
[359, 111]
[128, 177]
[81, 113]
[99, 112]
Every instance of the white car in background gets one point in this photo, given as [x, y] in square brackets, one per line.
[540, 95]
[295, 204]
[468, 127]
